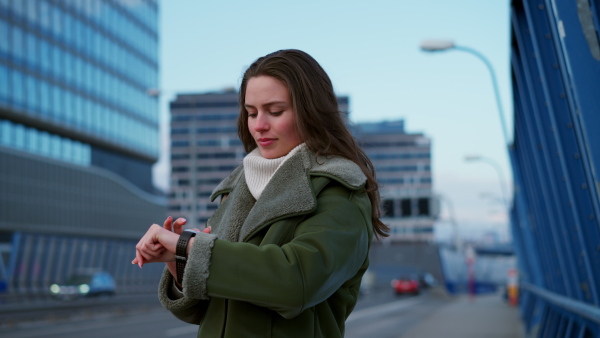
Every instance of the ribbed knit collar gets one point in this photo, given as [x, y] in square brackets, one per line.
[259, 170]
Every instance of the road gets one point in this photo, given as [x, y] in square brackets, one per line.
[389, 316]
[378, 314]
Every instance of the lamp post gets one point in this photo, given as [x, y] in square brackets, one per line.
[474, 158]
[444, 45]
[452, 217]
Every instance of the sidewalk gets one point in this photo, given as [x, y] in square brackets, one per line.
[479, 317]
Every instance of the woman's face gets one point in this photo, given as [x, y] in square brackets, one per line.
[271, 117]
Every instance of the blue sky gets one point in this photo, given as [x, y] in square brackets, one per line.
[370, 49]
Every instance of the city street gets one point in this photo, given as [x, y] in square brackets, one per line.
[378, 314]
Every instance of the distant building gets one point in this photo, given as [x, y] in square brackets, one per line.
[78, 138]
[205, 148]
[403, 166]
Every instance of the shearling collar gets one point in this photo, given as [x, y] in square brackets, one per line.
[288, 193]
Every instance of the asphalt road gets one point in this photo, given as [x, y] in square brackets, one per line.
[378, 314]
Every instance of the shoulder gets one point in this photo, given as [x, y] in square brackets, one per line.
[337, 168]
[228, 183]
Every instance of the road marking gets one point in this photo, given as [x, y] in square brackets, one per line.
[379, 310]
[373, 311]
[84, 326]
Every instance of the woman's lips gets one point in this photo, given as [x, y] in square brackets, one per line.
[264, 142]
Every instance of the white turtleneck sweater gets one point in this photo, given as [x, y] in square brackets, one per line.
[259, 170]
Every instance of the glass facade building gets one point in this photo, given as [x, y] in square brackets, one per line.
[79, 70]
[78, 130]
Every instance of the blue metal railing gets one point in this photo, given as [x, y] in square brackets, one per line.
[556, 162]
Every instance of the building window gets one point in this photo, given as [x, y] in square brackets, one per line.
[176, 144]
[423, 206]
[181, 118]
[31, 140]
[388, 208]
[179, 131]
[405, 207]
[180, 156]
[180, 169]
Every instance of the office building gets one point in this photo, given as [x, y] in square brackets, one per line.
[402, 163]
[205, 148]
[78, 138]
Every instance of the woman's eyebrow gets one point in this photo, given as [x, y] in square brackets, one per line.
[266, 105]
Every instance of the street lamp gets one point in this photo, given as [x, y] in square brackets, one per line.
[444, 45]
[452, 217]
[474, 158]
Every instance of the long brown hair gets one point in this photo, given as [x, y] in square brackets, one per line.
[320, 123]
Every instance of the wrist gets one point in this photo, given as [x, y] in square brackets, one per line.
[189, 246]
[181, 253]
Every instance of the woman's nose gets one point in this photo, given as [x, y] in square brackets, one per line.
[262, 122]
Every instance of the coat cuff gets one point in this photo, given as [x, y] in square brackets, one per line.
[197, 267]
[166, 297]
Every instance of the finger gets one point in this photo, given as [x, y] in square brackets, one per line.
[138, 259]
[148, 256]
[151, 249]
[178, 225]
[168, 224]
[142, 246]
[207, 230]
[144, 251]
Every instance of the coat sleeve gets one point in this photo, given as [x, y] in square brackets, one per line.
[189, 309]
[328, 248]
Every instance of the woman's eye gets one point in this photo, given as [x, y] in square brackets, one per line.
[276, 113]
[252, 114]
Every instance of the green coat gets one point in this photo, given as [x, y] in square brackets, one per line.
[287, 265]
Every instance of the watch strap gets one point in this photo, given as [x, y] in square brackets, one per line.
[181, 253]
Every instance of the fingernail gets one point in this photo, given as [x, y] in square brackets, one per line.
[184, 220]
[140, 264]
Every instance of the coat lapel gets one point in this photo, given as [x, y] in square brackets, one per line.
[227, 220]
[288, 193]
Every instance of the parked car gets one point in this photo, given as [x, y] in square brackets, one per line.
[85, 284]
[407, 284]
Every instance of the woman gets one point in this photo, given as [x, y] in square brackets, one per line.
[289, 243]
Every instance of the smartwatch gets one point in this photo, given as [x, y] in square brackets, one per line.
[181, 252]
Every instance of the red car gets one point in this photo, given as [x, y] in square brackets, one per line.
[406, 285]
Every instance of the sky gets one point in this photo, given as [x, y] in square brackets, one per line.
[371, 51]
